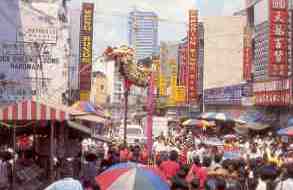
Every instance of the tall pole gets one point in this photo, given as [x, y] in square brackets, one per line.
[126, 93]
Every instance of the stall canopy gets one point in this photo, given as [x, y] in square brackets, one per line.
[33, 110]
[257, 120]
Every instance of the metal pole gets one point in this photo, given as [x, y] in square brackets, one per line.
[52, 151]
[14, 158]
[126, 93]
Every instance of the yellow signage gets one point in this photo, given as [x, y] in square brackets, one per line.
[84, 95]
[162, 85]
[180, 94]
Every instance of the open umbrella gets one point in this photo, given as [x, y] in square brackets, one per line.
[213, 142]
[230, 136]
[196, 122]
[136, 178]
[286, 131]
[212, 116]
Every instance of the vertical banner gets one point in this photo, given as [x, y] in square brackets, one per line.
[192, 57]
[247, 54]
[150, 107]
[278, 45]
[85, 50]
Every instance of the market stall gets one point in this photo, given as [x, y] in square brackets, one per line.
[27, 117]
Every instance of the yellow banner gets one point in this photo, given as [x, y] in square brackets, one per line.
[162, 85]
[84, 95]
[180, 94]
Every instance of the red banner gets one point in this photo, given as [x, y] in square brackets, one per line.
[183, 54]
[192, 57]
[273, 93]
[85, 51]
[278, 65]
[247, 54]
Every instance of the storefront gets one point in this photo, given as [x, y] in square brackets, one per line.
[235, 99]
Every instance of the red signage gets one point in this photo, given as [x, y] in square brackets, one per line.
[183, 54]
[278, 64]
[274, 93]
[192, 57]
[247, 54]
[85, 45]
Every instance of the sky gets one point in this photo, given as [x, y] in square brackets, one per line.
[111, 17]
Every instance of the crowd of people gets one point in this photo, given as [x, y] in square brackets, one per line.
[187, 162]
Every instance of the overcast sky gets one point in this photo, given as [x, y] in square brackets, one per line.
[111, 17]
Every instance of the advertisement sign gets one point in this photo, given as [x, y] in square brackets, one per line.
[274, 93]
[278, 45]
[85, 45]
[180, 94]
[162, 85]
[41, 34]
[229, 95]
[247, 54]
[183, 60]
[192, 57]
[32, 57]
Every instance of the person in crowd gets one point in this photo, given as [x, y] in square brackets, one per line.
[4, 172]
[171, 166]
[287, 183]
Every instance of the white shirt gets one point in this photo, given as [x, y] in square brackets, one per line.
[285, 185]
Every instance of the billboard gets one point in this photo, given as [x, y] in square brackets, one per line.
[85, 54]
[183, 60]
[278, 45]
[32, 54]
[228, 95]
[273, 93]
[247, 54]
[192, 57]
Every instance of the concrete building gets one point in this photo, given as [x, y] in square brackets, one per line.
[100, 89]
[223, 50]
[143, 33]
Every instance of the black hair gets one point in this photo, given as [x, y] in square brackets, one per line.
[173, 155]
[196, 161]
[206, 161]
[218, 158]
[195, 183]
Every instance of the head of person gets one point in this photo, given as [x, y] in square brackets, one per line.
[195, 184]
[196, 161]
[178, 184]
[217, 158]
[67, 170]
[173, 155]
[206, 162]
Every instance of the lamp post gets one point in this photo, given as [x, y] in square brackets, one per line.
[126, 94]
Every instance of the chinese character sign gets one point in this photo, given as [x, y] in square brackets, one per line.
[278, 65]
[247, 54]
[85, 44]
[192, 56]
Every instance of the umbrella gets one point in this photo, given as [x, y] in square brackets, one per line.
[213, 142]
[217, 116]
[136, 178]
[230, 136]
[196, 122]
[126, 165]
[231, 155]
[286, 131]
[88, 107]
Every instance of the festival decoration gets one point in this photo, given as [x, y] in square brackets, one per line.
[128, 67]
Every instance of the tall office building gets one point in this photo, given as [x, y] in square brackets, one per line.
[143, 33]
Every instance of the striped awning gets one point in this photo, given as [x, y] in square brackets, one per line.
[32, 110]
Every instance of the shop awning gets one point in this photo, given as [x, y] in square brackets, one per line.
[91, 118]
[28, 110]
[87, 131]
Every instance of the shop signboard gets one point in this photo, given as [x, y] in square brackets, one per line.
[192, 57]
[85, 45]
[229, 95]
[183, 56]
[180, 94]
[278, 38]
[273, 93]
[247, 54]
